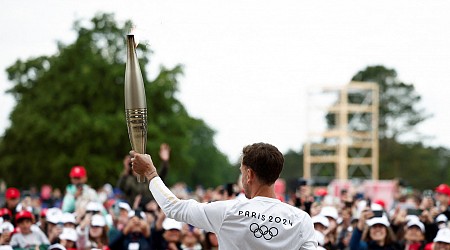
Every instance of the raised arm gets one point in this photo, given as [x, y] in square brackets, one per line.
[206, 216]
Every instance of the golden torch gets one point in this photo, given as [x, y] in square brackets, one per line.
[135, 101]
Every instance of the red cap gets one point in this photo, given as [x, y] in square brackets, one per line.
[43, 212]
[380, 202]
[443, 189]
[12, 193]
[321, 192]
[24, 214]
[78, 172]
[5, 211]
[109, 203]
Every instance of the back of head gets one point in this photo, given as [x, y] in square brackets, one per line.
[265, 160]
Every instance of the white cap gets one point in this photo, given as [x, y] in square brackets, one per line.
[416, 223]
[321, 219]
[378, 220]
[53, 215]
[124, 205]
[56, 246]
[412, 217]
[329, 211]
[98, 221]
[69, 234]
[376, 206]
[6, 226]
[94, 206]
[443, 235]
[441, 218]
[132, 213]
[319, 237]
[68, 218]
[169, 223]
[20, 207]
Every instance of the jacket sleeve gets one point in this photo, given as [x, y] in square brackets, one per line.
[68, 204]
[206, 216]
[355, 241]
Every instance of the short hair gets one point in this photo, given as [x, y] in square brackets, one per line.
[265, 160]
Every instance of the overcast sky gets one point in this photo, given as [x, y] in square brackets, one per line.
[248, 64]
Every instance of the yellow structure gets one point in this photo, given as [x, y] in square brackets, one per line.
[353, 141]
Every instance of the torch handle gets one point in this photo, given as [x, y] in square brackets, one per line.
[137, 131]
[139, 177]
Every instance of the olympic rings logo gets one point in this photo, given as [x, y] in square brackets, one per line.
[263, 231]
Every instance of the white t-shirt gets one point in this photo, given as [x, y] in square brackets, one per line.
[35, 238]
[258, 223]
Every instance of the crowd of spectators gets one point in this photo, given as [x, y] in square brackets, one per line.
[126, 216]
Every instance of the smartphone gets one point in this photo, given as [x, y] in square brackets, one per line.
[377, 213]
[411, 211]
[368, 203]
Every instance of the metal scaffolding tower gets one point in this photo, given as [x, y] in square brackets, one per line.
[350, 139]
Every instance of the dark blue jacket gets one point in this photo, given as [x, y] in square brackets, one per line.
[357, 244]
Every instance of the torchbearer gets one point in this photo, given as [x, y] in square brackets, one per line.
[135, 101]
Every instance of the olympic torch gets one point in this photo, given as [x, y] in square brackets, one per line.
[135, 101]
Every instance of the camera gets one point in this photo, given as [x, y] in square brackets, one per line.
[411, 211]
[377, 213]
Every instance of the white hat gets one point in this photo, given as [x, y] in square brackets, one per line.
[329, 211]
[69, 234]
[98, 221]
[376, 206]
[441, 218]
[378, 220]
[53, 215]
[56, 246]
[169, 223]
[319, 237]
[443, 235]
[124, 205]
[412, 217]
[20, 207]
[141, 214]
[321, 219]
[417, 223]
[68, 218]
[6, 226]
[94, 206]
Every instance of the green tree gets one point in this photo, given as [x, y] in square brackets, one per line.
[70, 111]
[293, 169]
[398, 104]
[422, 167]
[215, 169]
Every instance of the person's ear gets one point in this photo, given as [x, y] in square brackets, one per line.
[250, 175]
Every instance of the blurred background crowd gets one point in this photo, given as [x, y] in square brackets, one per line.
[125, 215]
